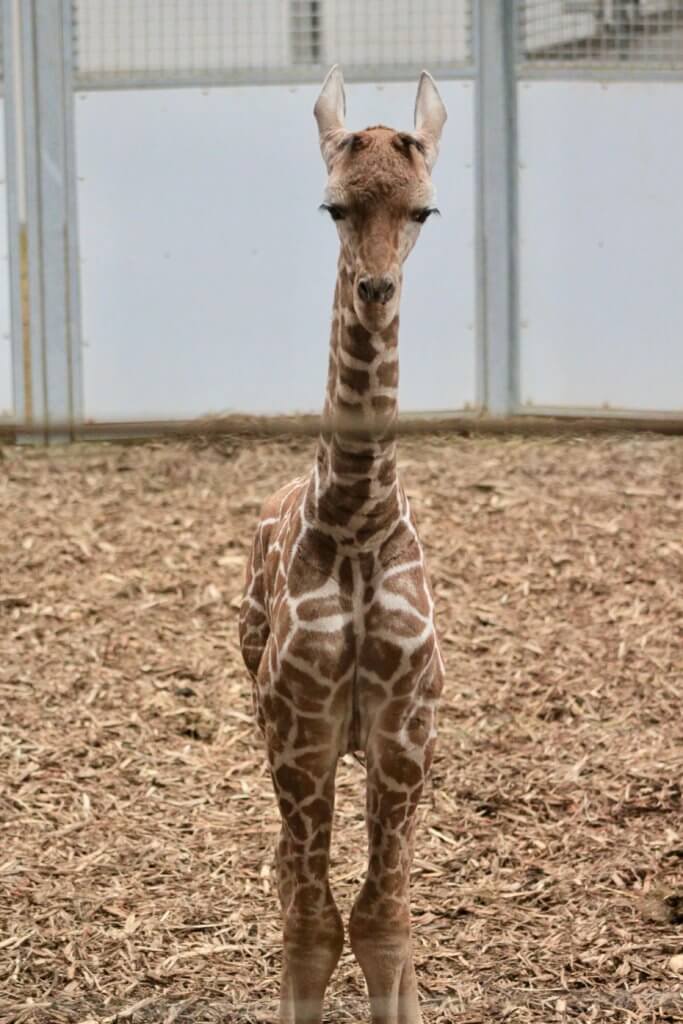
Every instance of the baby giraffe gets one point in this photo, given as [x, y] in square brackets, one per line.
[337, 622]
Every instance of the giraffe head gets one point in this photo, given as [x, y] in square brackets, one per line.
[379, 192]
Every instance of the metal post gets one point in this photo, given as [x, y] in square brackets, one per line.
[41, 195]
[497, 204]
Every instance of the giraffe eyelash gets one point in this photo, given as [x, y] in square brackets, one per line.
[422, 215]
[335, 212]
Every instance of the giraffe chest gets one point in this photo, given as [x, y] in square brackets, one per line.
[350, 633]
[318, 589]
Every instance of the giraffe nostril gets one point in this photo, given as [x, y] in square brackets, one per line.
[386, 289]
[365, 289]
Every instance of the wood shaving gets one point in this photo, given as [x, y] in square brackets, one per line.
[136, 816]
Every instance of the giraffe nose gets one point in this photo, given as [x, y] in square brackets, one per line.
[376, 289]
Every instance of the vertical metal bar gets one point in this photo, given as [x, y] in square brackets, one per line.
[41, 190]
[496, 148]
[27, 352]
[72, 233]
[54, 109]
[22, 402]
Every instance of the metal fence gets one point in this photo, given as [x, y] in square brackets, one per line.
[628, 35]
[58, 48]
[129, 42]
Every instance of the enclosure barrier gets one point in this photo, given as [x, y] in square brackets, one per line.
[285, 427]
[554, 314]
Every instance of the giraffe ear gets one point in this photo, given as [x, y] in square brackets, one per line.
[430, 117]
[329, 111]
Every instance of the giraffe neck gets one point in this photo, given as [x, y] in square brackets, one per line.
[356, 493]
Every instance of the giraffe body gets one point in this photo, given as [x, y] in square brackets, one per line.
[337, 626]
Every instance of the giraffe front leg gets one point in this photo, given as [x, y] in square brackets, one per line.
[313, 932]
[381, 941]
[380, 920]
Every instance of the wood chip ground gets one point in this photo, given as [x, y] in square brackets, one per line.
[136, 815]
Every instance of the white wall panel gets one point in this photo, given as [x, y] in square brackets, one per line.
[6, 389]
[601, 229]
[208, 271]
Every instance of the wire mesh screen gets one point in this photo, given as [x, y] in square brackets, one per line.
[119, 42]
[628, 34]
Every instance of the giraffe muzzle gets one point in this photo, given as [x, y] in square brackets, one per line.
[376, 289]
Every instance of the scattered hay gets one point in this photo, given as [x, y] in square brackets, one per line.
[136, 817]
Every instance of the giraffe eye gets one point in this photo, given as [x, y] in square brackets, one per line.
[421, 215]
[335, 212]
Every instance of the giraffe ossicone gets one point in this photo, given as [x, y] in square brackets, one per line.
[337, 622]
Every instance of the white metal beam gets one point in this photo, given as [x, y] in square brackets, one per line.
[496, 149]
[42, 223]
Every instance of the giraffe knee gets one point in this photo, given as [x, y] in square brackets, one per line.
[379, 921]
[313, 939]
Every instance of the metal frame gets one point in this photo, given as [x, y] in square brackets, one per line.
[545, 72]
[42, 225]
[525, 70]
[27, 356]
[40, 81]
[496, 201]
[23, 375]
[299, 75]
[72, 229]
